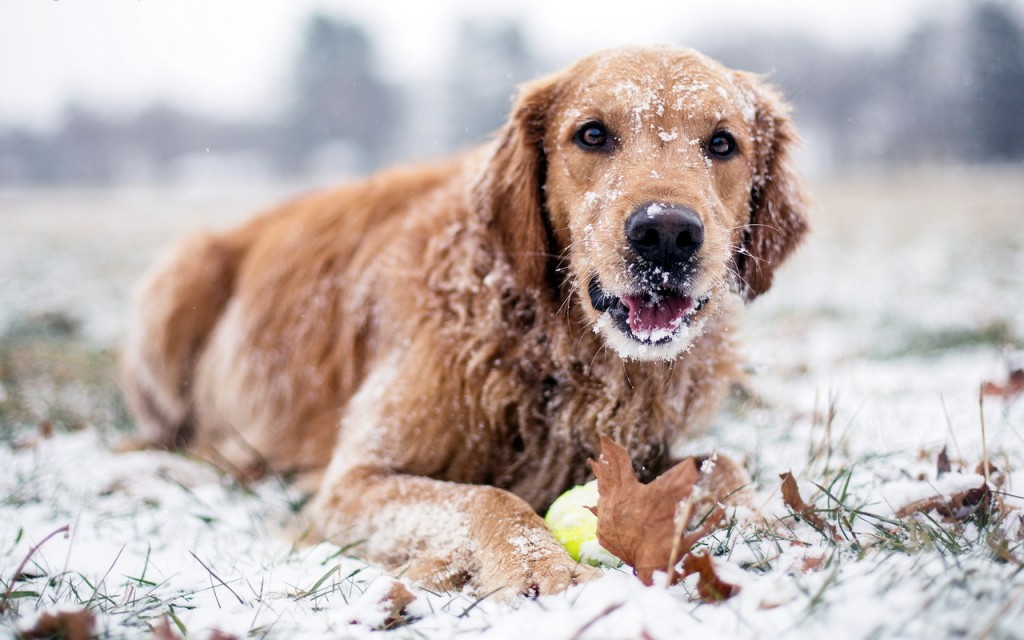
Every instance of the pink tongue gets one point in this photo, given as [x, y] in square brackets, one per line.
[646, 319]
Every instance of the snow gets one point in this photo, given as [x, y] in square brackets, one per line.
[865, 360]
[668, 136]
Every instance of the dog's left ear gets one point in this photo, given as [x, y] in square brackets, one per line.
[778, 203]
[509, 193]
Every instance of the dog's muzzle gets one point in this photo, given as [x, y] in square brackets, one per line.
[653, 317]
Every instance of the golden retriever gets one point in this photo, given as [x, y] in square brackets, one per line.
[439, 349]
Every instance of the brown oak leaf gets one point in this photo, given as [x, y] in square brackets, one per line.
[647, 525]
[1013, 387]
[710, 587]
[791, 497]
[942, 465]
[977, 502]
[812, 563]
[72, 625]
[163, 631]
[991, 473]
[394, 602]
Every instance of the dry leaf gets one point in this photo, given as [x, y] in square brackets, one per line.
[722, 481]
[710, 587]
[791, 496]
[647, 525]
[994, 475]
[394, 602]
[163, 631]
[1014, 386]
[1000, 546]
[942, 465]
[637, 522]
[956, 507]
[812, 563]
[70, 625]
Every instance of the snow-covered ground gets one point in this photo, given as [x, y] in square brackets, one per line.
[865, 361]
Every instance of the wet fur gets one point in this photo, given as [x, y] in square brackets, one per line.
[418, 347]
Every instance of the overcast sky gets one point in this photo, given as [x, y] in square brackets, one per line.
[232, 57]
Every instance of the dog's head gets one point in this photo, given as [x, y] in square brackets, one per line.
[652, 181]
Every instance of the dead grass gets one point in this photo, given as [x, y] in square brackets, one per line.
[51, 379]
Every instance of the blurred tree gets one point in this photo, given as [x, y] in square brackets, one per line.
[996, 48]
[839, 94]
[85, 147]
[490, 59]
[163, 132]
[339, 98]
[930, 96]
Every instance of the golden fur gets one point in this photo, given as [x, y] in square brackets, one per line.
[420, 346]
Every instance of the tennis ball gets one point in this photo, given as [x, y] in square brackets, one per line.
[575, 526]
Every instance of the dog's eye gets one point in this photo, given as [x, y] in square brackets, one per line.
[593, 136]
[722, 145]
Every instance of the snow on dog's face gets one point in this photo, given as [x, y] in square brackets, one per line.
[664, 183]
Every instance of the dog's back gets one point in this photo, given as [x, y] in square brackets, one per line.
[288, 272]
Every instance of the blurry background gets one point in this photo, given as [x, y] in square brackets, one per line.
[233, 92]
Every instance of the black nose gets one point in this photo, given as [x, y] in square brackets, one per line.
[664, 235]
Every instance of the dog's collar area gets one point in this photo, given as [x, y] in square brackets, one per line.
[653, 317]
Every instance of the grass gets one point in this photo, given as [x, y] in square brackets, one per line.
[998, 333]
[51, 379]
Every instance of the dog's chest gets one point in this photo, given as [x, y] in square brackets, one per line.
[548, 452]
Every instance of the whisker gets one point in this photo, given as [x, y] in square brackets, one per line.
[755, 224]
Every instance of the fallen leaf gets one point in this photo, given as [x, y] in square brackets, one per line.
[1013, 387]
[647, 526]
[1000, 546]
[162, 630]
[956, 507]
[394, 602]
[791, 497]
[994, 475]
[722, 481]
[637, 522]
[942, 464]
[710, 587]
[69, 625]
[812, 563]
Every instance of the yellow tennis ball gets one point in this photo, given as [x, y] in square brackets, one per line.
[573, 525]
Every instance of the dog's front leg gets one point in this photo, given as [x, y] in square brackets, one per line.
[444, 534]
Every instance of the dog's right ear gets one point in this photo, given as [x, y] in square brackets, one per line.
[509, 193]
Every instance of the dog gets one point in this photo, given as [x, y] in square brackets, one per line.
[436, 351]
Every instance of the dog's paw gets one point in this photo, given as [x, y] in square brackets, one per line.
[511, 579]
[436, 574]
[550, 581]
[534, 576]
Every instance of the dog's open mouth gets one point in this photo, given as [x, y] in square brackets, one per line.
[651, 317]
